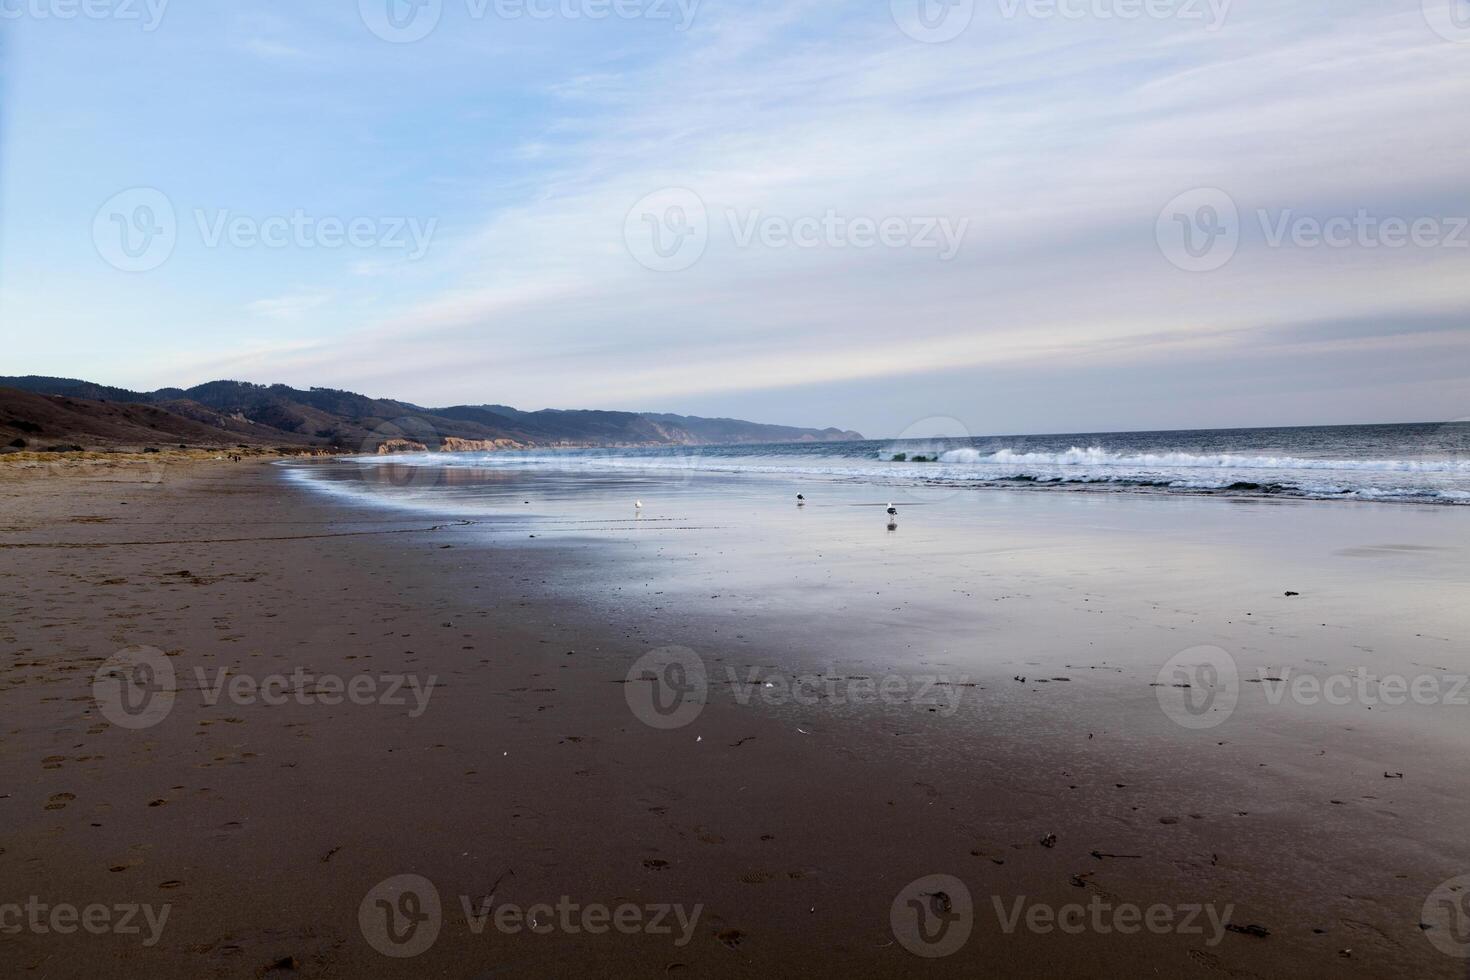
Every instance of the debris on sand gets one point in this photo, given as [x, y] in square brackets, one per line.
[940, 902]
[1260, 932]
[1050, 840]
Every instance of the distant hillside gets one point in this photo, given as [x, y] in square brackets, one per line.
[725, 431]
[36, 412]
[59, 422]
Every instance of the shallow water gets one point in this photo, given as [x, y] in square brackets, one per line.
[1425, 463]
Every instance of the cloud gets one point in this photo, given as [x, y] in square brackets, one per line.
[293, 306]
[1058, 140]
[268, 48]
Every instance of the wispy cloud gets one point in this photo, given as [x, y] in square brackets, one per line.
[1058, 140]
[292, 306]
[269, 48]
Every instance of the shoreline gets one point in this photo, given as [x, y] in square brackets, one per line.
[792, 826]
[153, 466]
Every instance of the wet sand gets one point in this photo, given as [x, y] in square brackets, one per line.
[1022, 747]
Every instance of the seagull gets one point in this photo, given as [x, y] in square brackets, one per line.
[801, 500]
[892, 511]
[638, 504]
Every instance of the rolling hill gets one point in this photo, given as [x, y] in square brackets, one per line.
[45, 413]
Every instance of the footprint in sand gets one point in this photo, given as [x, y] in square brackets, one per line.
[59, 801]
[758, 877]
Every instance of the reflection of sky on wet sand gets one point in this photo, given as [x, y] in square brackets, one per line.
[1004, 580]
[1085, 597]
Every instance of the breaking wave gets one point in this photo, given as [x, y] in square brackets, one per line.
[1097, 456]
[1426, 463]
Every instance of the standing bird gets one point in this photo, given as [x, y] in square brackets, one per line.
[892, 511]
[637, 505]
[801, 500]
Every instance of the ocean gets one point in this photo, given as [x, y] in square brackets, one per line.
[1420, 463]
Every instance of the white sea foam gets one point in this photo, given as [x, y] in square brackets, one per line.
[1430, 480]
[1096, 456]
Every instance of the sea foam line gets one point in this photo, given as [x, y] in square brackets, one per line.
[1097, 456]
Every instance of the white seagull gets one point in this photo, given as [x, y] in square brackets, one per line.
[892, 511]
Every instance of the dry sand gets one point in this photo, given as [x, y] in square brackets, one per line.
[785, 832]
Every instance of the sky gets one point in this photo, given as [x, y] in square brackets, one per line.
[1014, 215]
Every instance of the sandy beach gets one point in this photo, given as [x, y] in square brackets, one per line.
[723, 735]
[746, 488]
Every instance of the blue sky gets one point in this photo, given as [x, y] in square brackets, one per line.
[506, 173]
